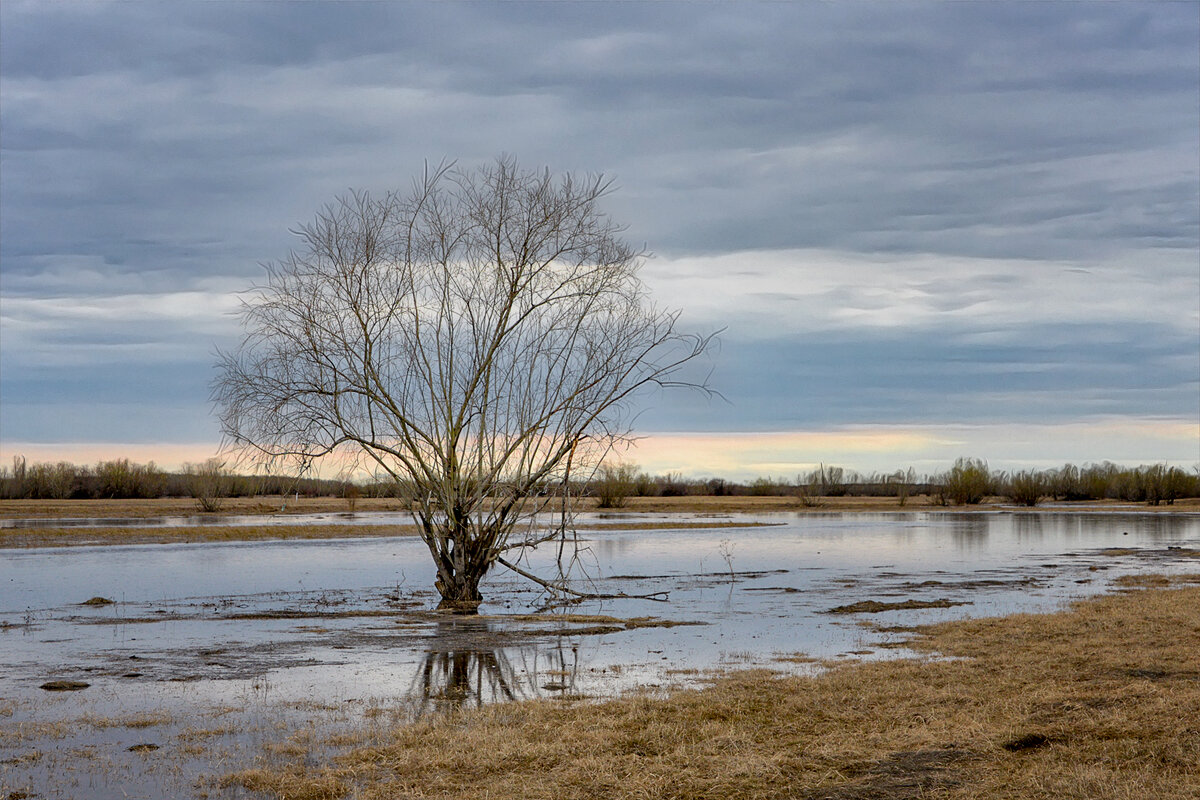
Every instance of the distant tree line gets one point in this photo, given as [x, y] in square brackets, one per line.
[124, 479]
[968, 482]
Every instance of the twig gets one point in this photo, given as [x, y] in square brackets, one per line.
[558, 586]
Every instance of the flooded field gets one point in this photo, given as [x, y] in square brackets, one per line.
[170, 665]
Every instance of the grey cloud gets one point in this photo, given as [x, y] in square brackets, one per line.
[1052, 374]
[953, 119]
[151, 148]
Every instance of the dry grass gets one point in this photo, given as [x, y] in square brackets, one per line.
[146, 720]
[73, 537]
[68, 537]
[875, 606]
[197, 734]
[1102, 701]
[186, 507]
[183, 506]
[307, 787]
[720, 505]
[1155, 581]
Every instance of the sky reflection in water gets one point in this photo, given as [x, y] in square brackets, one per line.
[268, 627]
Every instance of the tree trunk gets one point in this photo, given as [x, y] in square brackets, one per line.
[460, 591]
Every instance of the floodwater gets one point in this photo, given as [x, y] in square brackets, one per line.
[211, 655]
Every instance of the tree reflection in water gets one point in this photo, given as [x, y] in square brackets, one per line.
[470, 665]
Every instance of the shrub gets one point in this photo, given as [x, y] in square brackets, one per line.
[645, 486]
[208, 482]
[766, 487]
[903, 481]
[833, 481]
[50, 481]
[122, 478]
[614, 485]
[968, 481]
[808, 489]
[672, 485]
[1163, 484]
[1026, 488]
[718, 487]
[1177, 483]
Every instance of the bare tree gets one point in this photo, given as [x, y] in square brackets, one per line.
[477, 339]
[613, 484]
[208, 482]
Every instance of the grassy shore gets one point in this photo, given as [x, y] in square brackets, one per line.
[1101, 701]
[213, 531]
[124, 535]
[273, 504]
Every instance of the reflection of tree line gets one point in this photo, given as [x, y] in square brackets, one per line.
[456, 673]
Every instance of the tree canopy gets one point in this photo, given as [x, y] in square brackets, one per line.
[477, 338]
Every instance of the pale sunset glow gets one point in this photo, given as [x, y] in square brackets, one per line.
[746, 455]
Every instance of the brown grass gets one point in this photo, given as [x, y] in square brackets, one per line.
[1101, 701]
[183, 506]
[73, 537]
[69, 537]
[719, 505]
[146, 720]
[875, 606]
[186, 507]
[1155, 581]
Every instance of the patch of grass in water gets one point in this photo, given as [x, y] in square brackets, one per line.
[876, 607]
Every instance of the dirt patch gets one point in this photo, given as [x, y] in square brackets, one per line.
[1163, 675]
[876, 606]
[1028, 741]
[906, 775]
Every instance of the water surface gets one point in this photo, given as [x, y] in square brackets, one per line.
[253, 638]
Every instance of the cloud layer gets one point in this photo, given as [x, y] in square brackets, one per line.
[901, 213]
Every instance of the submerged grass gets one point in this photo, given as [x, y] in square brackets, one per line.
[1100, 701]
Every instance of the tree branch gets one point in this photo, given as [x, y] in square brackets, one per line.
[561, 588]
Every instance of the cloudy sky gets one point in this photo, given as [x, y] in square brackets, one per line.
[929, 230]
